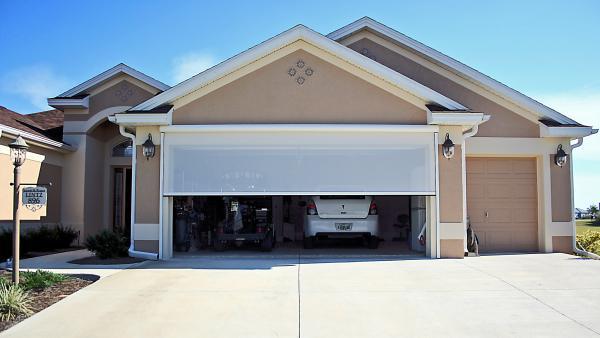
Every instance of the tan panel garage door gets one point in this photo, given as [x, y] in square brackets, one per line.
[502, 203]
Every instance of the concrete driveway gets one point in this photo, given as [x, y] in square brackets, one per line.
[537, 295]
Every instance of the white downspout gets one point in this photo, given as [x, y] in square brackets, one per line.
[578, 251]
[132, 252]
[469, 133]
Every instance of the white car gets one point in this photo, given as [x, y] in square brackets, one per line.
[341, 216]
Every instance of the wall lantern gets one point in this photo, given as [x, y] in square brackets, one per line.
[148, 147]
[448, 147]
[561, 157]
[18, 151]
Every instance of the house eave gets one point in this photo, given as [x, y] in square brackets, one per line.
[37, 140]
[570, 132]
[537, 109]
[63, 103]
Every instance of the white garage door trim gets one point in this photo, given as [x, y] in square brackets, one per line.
[297, 150]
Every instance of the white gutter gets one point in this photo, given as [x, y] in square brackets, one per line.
[35, 139]
[132, 252]
[578, 251]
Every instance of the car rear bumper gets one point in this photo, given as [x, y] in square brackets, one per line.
[314, 225]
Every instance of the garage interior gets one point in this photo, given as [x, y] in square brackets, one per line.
[198, 222]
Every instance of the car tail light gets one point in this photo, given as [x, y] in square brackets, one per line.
[311, 208]
[373, 208]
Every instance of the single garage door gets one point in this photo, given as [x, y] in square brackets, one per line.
[502, 203]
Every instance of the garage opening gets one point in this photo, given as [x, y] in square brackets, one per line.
[383, 224]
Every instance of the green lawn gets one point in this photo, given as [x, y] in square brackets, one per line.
[584, 225]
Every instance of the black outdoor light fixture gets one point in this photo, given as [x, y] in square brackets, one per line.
[560, 159]
[18, 155]
[148, 147]
[448, 147]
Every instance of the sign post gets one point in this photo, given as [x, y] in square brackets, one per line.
[34, 197]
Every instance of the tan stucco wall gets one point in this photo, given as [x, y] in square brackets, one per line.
[270, 95]
[562, 210]
[451, 248]
[503, 123]
[147, 186]
[451, 194]
[32, 171]
[562, 244]
[123, 93]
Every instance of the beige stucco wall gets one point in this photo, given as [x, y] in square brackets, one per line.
[40, 167]
[271, 95]
[451, 186]
[562, 210]
[122, 93]
[147, 187]
[503, 123]
[452, 248]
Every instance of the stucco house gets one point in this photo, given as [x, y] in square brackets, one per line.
[363, 110]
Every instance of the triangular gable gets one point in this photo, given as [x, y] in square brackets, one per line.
[109, 74]
[528, 104]
[313, 40]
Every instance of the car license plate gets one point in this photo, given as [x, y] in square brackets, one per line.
[343, 226]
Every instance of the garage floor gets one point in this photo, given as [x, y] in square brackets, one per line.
[543, 295]
[331, 248]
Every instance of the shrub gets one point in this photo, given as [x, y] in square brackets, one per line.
[65, 236]
[13, 302]
[41, 239]
[590, 241]
[40, 279]
[107, 244]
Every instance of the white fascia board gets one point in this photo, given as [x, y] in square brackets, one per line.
[573, 132]
[35, 139]
[457, 119]
[296, 33]
[299, 128]
[69, 103]
[134, 120]
[497, 87]
[120, 68]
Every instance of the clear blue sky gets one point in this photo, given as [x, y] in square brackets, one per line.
[546, 49]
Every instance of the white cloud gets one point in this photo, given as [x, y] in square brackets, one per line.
[584, 107]
[191, 64]
[34, 83]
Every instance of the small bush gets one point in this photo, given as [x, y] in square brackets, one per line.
[41, 239]
[40, 279]
[107, 244]
[590, 241]
[13, 302]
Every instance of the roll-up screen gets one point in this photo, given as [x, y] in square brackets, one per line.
[298, 163]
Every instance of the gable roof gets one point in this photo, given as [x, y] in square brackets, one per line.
[297, 33]
[500, 89]
[121, 68]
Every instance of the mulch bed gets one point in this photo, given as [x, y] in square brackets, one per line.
[41, 299]
[93, 260]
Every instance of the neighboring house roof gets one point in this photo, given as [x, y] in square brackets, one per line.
[306, 34]
[521, 100]
[121, 68]
[44, 127]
